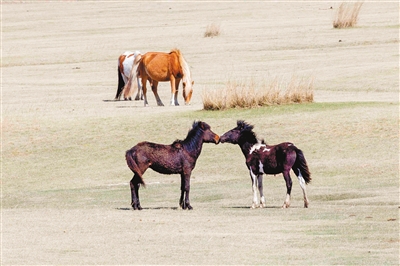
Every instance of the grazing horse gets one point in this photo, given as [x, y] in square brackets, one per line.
[125, 64]
[178, 158]
[158, 66]
[271, 160]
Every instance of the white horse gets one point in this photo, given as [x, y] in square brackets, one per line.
[125, 64]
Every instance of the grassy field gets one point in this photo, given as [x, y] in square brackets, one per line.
[65, 195]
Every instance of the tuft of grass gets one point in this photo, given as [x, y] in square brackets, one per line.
[347, 15]
[212, 30]
[252, 94]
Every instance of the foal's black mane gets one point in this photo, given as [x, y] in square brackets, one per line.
[247, 134]
[191, 142]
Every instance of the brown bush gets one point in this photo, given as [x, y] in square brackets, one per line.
[212, 30]
[347, 15]
[251, 95]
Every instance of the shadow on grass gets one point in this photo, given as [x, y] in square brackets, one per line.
[248, 207]
[153, 208]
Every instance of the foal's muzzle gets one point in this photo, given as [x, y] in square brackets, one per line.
[217, 139]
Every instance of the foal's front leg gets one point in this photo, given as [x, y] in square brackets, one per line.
[184, 201]
[260, 189]
[254, 188]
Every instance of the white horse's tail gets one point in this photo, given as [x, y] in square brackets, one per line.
[132, 86]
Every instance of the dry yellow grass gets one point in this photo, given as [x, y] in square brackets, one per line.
[253, 94]
[347, 15]
[212, 30]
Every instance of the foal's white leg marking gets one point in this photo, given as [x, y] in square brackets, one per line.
[286, 204]
[303, 187]
[254, 187]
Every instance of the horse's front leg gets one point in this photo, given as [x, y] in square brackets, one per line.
[288, 181]
[174, 91]
[260, 189]
[254, 188]
[184, 201]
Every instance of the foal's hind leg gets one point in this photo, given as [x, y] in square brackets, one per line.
[302, 185]
[288, 181]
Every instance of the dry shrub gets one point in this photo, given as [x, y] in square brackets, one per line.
[347, 15]
[212, 30]
[252, 94]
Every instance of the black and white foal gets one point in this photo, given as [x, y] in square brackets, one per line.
[271, 160]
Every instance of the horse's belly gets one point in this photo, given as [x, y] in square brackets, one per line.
[165, 169]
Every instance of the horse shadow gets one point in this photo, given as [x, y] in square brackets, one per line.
[149, 208]
[248, 207]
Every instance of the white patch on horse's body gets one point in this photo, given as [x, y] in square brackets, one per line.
[266, 150]
[260, 167]
[127, 64]
[257, 146]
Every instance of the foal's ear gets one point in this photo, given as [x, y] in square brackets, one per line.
[202, 126]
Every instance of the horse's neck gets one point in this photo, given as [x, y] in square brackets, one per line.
[245, 147]
[246, 142]
[193, 145]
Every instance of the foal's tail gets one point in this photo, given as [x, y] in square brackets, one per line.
[301, 165]
[130, 160]
[131, 86]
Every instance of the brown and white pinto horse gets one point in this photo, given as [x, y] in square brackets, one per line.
[269, 159]
[125, 64]
[158, 67]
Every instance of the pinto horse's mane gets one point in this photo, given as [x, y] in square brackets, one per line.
[191, 142]
[247, 133]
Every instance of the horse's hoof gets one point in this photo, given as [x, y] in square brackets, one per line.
[253, 206]
[190, 207]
